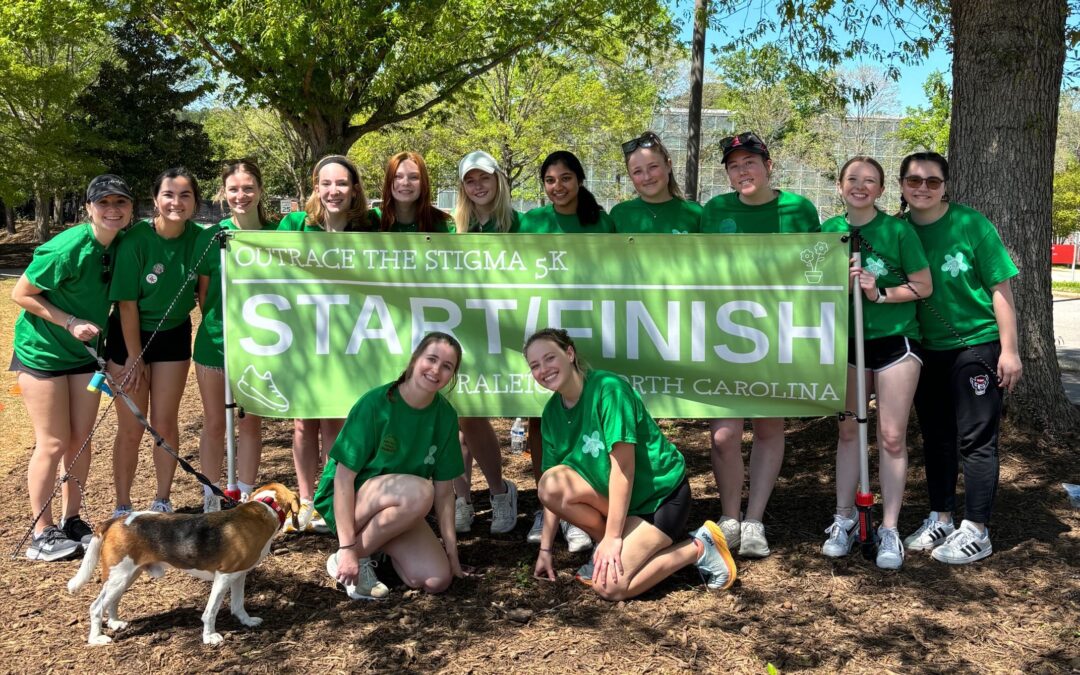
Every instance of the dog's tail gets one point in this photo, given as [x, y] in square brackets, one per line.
[89, 562]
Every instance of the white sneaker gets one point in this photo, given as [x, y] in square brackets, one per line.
[890, 552]
[211, 503]
[931, 533]
[965, 545]
[577, 539]
[537, 529]
[463, 515]
[368, 586]
[841, 537]
[504, 510]
[754, 544]
[732, 530]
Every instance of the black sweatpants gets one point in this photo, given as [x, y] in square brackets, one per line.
[959, 408]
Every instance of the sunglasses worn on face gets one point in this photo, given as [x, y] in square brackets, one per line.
[933, 182]
[646, 140]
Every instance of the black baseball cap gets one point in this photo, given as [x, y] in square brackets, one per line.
[107, 184]
[749, 142]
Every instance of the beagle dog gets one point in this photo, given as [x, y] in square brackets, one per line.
[222, 546]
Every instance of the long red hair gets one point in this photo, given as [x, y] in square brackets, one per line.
[428, 217]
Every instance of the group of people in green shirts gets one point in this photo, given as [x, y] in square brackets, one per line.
[605, 474]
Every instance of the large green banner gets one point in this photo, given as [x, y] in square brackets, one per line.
[701, 325]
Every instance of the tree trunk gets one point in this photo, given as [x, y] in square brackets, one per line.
[1007, 67]
[42, 215]
[9, 217]
[58, 209]
[697, 83]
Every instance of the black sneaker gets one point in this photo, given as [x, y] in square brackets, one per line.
[52, 544]
[76, 529]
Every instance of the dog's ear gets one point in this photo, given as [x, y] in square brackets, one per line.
[294, 506]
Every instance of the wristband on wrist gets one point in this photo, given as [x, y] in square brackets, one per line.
[70, 320]
[880, 295]
[545, 550]
[341, 546]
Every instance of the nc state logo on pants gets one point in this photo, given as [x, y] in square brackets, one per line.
[979, 383]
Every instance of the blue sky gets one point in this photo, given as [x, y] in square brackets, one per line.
[909, 94]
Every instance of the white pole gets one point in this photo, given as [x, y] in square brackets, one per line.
[230, 429]
[864, 498]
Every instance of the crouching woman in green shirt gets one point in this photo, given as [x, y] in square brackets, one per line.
[377, 487]
[610, 471]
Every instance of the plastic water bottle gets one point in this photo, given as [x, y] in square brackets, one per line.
[517, 437]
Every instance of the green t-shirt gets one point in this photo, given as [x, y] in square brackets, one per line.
[545, 220]
[967, 259]
[895, 247]
[297, 222]
[209, 340]
[611, 412]
[675, 216]
[383, 436]
[70, 269]
[153, 271]
[490, 227]
[789, 212]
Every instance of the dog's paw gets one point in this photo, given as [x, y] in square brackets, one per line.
[99, 640]
[117, 624]
[250, 621]
[212, 638]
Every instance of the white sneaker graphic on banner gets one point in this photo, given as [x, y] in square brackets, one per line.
[262, 390]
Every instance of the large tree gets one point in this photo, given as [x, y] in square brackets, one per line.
[50, 50]
[132, 114]
[1007, 70]
[337, 71]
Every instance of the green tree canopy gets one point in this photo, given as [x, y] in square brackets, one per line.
[926, 128]
[339, 71]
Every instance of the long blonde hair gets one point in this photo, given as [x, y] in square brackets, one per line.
[501, 209]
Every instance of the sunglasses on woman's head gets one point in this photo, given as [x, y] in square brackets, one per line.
[933, 182]
[645, 140]
[748, 138]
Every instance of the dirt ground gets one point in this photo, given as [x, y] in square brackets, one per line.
[1016, 612]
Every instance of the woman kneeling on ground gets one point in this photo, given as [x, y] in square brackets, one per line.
[610, 471]
[377, 486]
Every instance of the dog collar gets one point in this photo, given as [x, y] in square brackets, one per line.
[269, 501]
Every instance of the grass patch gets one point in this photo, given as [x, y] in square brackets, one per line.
[1065, 286]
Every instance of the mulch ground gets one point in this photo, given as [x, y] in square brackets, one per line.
[1017, 611]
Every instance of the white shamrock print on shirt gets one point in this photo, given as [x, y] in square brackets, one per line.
[955, 265]
[875, 266]
[430, 459]
[592, 445]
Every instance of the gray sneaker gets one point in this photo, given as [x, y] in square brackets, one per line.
[52, 544]
[841, 537]
[537, 529]
[367, 587]
[76, 529]
[890, 552]
[504, 510]
[577, 539]
[463, 515]
[732, 530]
[122, 511]
[931, 534]
[754, 544]
[161, 506]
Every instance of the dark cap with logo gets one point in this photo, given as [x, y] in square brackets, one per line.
[107, 184]
[748, 142]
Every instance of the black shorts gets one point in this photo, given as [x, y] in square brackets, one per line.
[670, 518]
[17, 366]
[886, 352]
[173, 344]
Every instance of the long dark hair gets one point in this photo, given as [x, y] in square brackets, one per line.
[179, 172]
[934, 157]
[434, 336]
[588, 210]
